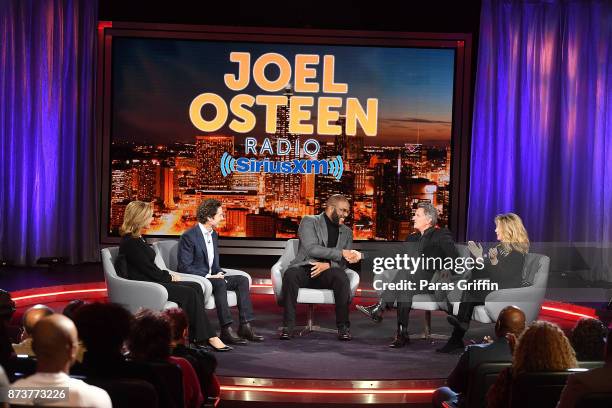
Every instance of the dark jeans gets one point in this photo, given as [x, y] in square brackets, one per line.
[333, 278]
[239, 284]
[190, 297]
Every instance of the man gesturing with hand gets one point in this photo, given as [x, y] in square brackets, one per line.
[323, 254]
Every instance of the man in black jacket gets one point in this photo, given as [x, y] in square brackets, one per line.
[510, 324]
[431, 242]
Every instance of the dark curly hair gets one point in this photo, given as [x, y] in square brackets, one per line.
[102, 327]
[149, 339]
[589, 339]
[208, 209]
[178, 322]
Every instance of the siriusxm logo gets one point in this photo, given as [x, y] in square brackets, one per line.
[229, 164]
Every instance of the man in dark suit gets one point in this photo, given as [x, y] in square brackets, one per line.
[198, 254]
[431, 242]
[510, 324]
[323, 253]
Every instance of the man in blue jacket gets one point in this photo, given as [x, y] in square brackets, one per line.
[198, 254]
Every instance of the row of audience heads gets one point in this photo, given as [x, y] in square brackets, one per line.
[105, 329]
[543, 346]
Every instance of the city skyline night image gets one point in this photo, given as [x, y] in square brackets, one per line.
[398, 155]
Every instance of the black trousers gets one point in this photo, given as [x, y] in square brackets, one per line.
[333, 278]
[469, 300]
[239, 284]
[190, 297]
[403, 298]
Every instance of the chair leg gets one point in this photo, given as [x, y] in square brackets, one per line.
[310, 326]
[427, 334]
[427, 329]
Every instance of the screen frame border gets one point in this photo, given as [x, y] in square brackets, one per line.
[461, 120]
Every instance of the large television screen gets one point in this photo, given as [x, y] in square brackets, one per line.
[272, 127]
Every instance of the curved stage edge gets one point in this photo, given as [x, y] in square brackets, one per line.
[297, 390]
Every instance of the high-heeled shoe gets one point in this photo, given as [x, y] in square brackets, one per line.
[218, 349]
[225, 348]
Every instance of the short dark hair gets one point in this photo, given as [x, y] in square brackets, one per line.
[102, 327]
[335, 199]
[588, 339]
[71, 308]
[178, 322]
[208, 209]
[149, 338]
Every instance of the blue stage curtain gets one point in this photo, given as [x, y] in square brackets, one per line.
[49, 205]
[542, 128]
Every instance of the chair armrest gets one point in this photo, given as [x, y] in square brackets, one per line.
[528, 298]
[135, 294]
[236, 272]
[353, 280]
[277, 281]
[205, 283]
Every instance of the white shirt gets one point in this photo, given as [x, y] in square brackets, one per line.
[210, 247]
[80, 394]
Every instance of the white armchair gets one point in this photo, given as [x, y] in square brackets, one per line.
[132, 294]
[528, 298]
[306, 295]
[166, 258]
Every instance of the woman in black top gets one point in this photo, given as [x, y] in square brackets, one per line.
[504, 266]
[140, 259]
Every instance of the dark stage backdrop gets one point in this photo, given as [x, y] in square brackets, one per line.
[48, 161]
[542, 129]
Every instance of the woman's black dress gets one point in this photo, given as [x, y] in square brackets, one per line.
[140, 259]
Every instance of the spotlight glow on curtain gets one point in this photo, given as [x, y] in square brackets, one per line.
[542, 129]
[48, 161]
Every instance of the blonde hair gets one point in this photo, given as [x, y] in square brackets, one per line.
[513, 233]
[543, 347]
[137, 213]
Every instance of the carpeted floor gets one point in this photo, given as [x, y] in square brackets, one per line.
[322, 356]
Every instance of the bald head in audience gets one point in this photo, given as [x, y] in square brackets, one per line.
[55, 341]
[511, 320]
[32, 316]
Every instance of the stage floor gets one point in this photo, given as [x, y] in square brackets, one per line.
[321, 356]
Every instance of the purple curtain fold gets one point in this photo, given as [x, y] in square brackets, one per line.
[48, 161]
[542, 128]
